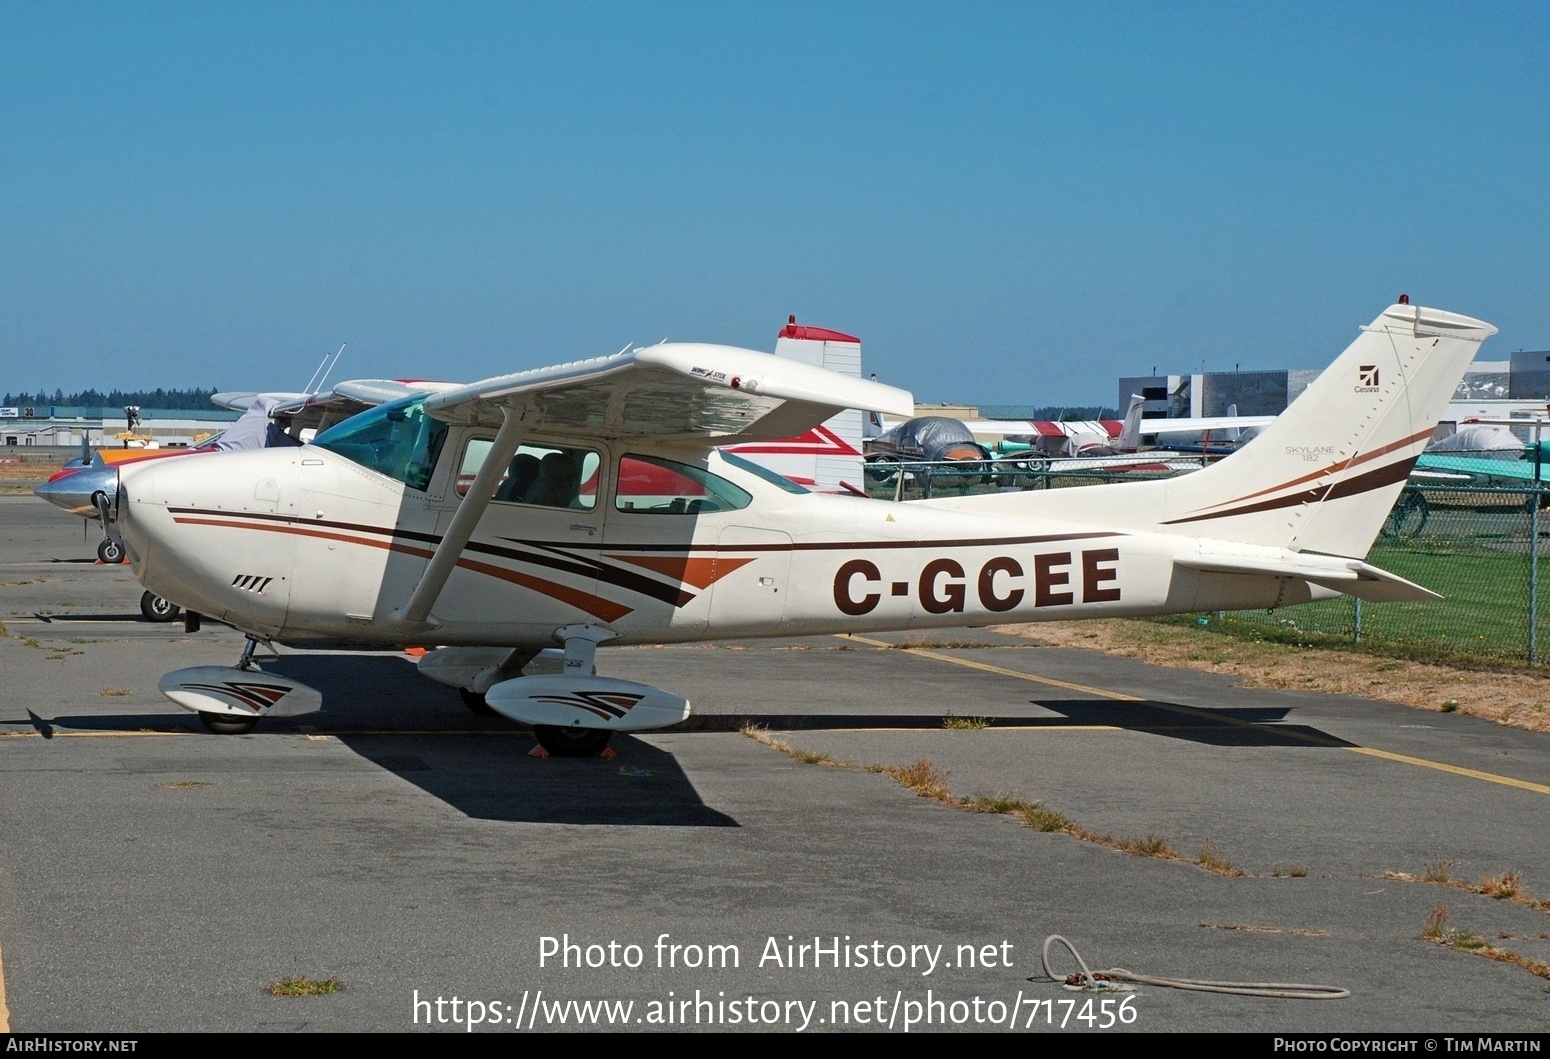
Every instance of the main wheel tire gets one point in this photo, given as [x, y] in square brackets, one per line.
[475, 701]
[155, 608]
[571, 742]
[227, 723]
[110, 551]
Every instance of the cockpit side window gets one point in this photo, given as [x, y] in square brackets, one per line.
[397, 439]
[654, 486]
[545, 475]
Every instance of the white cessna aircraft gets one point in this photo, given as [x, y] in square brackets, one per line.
[525, 520]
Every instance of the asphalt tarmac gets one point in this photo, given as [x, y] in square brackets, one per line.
[154, 877]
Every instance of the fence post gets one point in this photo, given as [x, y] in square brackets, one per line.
[1356, 633]
[1533, 549]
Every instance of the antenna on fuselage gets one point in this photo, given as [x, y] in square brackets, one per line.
[324, 379]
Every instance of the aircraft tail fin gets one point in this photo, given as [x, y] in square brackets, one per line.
[828, 457]
[1323, 476]
[1130, 434]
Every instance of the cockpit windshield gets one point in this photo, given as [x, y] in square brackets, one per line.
[397, 439]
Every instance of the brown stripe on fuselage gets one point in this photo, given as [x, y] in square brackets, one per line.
[606, 609]
[1333, 468]
[1361, 483]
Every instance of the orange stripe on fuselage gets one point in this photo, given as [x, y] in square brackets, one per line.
[701, 573]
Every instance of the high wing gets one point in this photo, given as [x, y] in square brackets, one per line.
[679, 391]
[705, 394]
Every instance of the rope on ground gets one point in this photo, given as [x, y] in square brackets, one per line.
[1100, 980]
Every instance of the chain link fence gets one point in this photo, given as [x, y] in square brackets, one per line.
[1479, 546]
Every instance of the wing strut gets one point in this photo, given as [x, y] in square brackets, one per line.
[467, 516]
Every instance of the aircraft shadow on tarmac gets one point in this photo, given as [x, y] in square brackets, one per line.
[422, 733]
[1212, 727]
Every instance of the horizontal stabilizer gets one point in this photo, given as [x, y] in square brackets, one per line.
[1351, 577]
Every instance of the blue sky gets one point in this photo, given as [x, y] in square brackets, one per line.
[1009, 203]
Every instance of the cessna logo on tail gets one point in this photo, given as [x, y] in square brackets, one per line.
[1367, 378]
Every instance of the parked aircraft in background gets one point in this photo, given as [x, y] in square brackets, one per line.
[85, 485]
[364, 533]
[926, 439]
[1487, 452]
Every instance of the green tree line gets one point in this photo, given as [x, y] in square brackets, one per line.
[158, 398]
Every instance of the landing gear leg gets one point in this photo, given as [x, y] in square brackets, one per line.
[510, 666]
[581, 661]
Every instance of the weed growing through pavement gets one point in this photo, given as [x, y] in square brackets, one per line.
[1439, 931]
[289, 986]
[927, 780]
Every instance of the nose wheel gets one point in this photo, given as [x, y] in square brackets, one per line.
[111, 551]
[155, 608]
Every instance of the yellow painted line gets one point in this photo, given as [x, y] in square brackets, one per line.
[1051, 681]
[1421, 762]
[5, 1012]
[60, 734]
[314, 735]
[1404, 759]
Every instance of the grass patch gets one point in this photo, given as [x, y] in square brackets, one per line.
[1032, 814]
[182, 785]
[81, 639]
[1289, 871]
[924, 778]
[1439, 931]
[1508, 886]
[954, 723]
[3, 631]
[1482, 569]
[1502, 887]
[928, 781]
[1439, 872]
[107, 693]
[1253, 929]
[289, 986]
[1211, 859]
[1149, 846]
[760, 734]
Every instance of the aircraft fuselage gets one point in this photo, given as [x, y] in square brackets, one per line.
[304, 543]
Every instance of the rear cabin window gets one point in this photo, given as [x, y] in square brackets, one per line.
[543, 475]
[652, 486]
